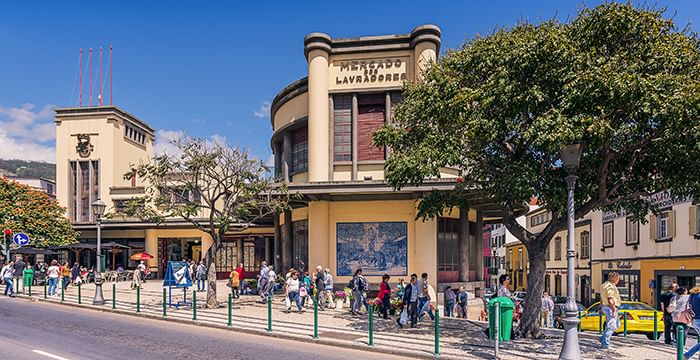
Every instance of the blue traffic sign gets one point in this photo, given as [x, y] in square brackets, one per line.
[20, 239]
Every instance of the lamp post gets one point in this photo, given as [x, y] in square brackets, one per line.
[570, 157]
[98, 208]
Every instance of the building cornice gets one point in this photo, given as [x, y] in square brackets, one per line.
[67, 113]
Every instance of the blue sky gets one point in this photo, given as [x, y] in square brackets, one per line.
[208, 68]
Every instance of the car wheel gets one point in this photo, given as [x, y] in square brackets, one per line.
[650, 336]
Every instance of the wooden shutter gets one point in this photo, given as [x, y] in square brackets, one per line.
[652, 227]
[693, 220]
[369, 119]
[672, 223]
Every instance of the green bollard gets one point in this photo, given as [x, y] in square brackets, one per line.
[229, 309]
[315, 319]
[114, 296]
[656, 326]
[680, 337]
[600, 321]
[579, 321]
[437, 331]
[164, 304]
[45, 289]
[371, 325]
[138, 299]
[269, 314]
[63, 290]
[80, 300]
[194, 305]
[624, 324]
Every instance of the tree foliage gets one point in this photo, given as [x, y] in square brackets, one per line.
[34, 213]
[215, 187]
[621, 80]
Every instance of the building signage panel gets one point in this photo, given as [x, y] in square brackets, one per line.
[375, 247]
[661, 199]
[368, 73]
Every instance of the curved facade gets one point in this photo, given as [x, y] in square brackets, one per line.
[322, 142]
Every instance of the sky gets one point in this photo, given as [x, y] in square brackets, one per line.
[209, 69]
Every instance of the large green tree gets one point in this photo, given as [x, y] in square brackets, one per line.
[622, 80]
[34, 213]
[212, 185]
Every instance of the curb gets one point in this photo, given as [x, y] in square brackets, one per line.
[278, 335]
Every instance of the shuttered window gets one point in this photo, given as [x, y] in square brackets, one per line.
[300, 150]
[370, 117]
[342, 128]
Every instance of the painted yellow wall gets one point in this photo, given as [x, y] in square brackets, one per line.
[319, 140]
[425, 53]
[292, 110]
[376, 171]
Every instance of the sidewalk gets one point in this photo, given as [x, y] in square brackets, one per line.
[459, 339]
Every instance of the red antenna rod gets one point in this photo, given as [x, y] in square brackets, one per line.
[80, 102]
[110, 75]
[90, 76]
[99, 97]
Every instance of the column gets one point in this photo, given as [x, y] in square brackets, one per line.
[287, 246]
[287, 156]
[268, 250]
[152, 248]
[426, 45]
[318, 111]
[355, 110]
[278, 159]
[463, 245]
[479, 246]
[277, 244]
[239, 246]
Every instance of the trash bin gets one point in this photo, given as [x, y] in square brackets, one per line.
[28, 277]
[505, 325]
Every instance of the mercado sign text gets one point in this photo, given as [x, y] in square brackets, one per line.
[364, 72]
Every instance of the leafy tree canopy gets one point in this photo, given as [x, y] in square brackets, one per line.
[34, 213]
[622, 80]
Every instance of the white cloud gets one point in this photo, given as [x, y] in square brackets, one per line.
[164, 141]
[264, 110]
[27, 133]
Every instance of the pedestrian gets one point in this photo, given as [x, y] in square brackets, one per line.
[680, 305]
[235, 279]
[65, 274]
[263, 277]
[292, 291]
[19, 273]
[450, 300]
[305, 288]
[136, 279]
[385, 296]
[201, 276]
[241, 279]
[410, 301]
[319, 287]
[503, 291]
[666, 300]
[462, 302]
[694, 303]
[424, 297]
[53, 272]
[359, 285]
[75, 274]
[610, 299]
[270, 286]
[192, 267]
[328, 287]
[547, 306]
[400, 288]
[7, 273]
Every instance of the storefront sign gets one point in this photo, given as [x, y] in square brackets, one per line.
[661, 200]
[555, 272]
[368, 72]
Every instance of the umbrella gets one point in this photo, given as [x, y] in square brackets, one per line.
[33, 251]
[141, 256]
[114, 248]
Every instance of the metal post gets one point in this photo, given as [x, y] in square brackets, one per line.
[437, 331]
[194, 305]
[680, 337]
[600, 321]
[579, 322]
[164, 303]
[30, 286]
[80, 300]
[624, 324]
[114, 296]
[269, 314]
[371, 325]
[571, 349]
[99, 297]
[45, 288]
[656, 326]
[229, 309]
[315, 318]
[63, 291]
[138, 299]
[496, 325]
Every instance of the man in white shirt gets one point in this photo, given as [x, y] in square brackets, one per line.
[7, 273]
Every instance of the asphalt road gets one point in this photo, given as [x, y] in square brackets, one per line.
[46, 331]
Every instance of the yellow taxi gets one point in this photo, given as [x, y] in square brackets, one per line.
[640, 319]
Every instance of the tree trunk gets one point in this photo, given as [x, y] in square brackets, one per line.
[212, 302]
[530, 319]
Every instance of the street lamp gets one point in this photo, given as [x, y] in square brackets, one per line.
[98, 208]
[570, 157]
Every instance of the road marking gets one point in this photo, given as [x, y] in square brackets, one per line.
[49, 355]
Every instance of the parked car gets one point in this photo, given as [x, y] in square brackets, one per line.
[560, 313]
[640, 319]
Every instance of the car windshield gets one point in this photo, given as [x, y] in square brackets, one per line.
[636, 306]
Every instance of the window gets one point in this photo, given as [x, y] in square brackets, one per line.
[557, 285]
[509, 259]
[84, 188]
[520, 259]
[134, 134]
[663, 226]
[448, 249]
[227, 257]
[181, 196]
[696, 219]
[585, 245]
[120, 206]
[632, 237]
[370, 117]
[546, 284]
[540, 218]
[557, 248]
[300, 150]
[608, 240]
[300, 238]
[342, 128]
